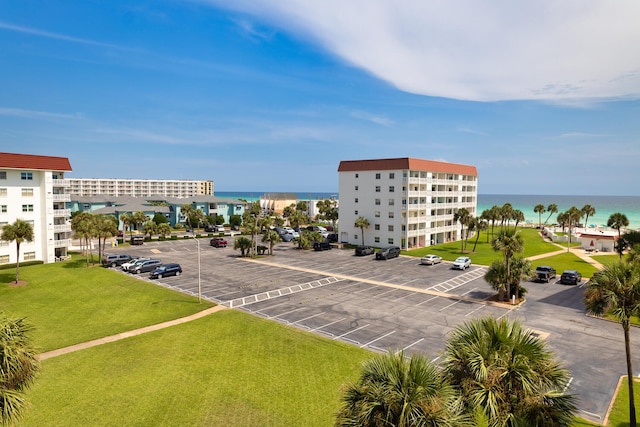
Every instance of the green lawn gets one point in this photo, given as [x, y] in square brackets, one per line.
[226, 369]
[69, 303]
[567, 261]
[619, 416]
[534, 244]
[606, 259]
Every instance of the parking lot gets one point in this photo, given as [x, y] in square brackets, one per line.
[394, 304]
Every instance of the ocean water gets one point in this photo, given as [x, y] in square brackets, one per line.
[604, 205]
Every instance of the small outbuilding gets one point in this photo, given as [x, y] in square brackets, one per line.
[599, 241]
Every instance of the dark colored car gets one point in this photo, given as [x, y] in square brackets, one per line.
[321, 246]
[115, 260]
[544, 273]
[364, 250]
[218, 242]
[146, 266]
[388, 252]
[332, 237]
[166, 270]
[570, 277]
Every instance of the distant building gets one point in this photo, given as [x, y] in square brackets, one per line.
[85, 187]
[408, 202]
[33, 188]
[274, 203]
[170, 207]
[599, 241]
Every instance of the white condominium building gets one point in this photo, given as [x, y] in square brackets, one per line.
[33, 188]
[86, 187]
[408, 202]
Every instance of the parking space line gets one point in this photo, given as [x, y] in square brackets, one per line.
[285, 313]
[353, 330]
[386, 292]
[307, 318]
[328, 324]
[430, 299]
[473, 311]
[411, 345]
[447, 306]
[377, 339]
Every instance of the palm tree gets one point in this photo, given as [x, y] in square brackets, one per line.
[501, 370]
[492, 215]
[509, 242]
[506, 214]
[127, 221]
[394, 391]
[517, 216]
[616, 290]
[617, 221]
[271, 237]
[163, 229]
[462, 215]
[83, 226]
[20, 231]
[18, 368]
[552, 208]
[362, 223]
[587, 211]
[243, 243]
[573, 217]
[150, 228]
[496, 276]
[138, 219]
[539, 209]
[563, 219]
[502, 280]
[479, 224]
[105, 226]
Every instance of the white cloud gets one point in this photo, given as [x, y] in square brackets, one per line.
[573, 135]
[379, 120]
[471, 50]
[31, 114]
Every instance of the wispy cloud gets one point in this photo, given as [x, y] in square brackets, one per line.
[373, 118]
[472, 131]
[482, 51]
[253, 31]
[31, 114]
[573, 135]
[57, 36]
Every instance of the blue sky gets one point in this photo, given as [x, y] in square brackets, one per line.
[261, 95]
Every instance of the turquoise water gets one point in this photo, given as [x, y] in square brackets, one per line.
[604, 205]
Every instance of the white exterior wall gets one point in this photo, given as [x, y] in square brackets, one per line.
[424, 204]
[47, 237]
[86, 187]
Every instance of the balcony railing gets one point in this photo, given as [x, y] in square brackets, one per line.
[61, 212]
[61, 183]
[61, 228]
[62, 197]
[63, 243]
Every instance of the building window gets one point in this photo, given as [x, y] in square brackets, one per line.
[376, 239]
[390, 214]
[27, 191]
[391, 189]
[391, 202]
[376, 214]
[356, 200]
[3, 192]
[390, 240]
[3, 208]
[356, 175]
[27, 176]
[4, 259]
[376, 227]
[377, 188]
[3, 175]
[355, 236]
[377, 176]
[27, 208]
[356, 188]
[390, 227]
[355, 212]
[29, 255]
[378, 202]
[392, 175]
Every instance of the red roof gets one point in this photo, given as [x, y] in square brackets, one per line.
[30, 161]
[406, 163]
[599, 236]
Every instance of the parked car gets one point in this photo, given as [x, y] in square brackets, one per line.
[115, 260]
[461, 263]
[218, 242]
[430, 259]
[570, 277]
[364, 250]
[388, 252]
[321, 246]
[287, 237]
[136, 240]
[166, 270]
[145, 266]
[544, 273]
[130, 265]
[332, 237]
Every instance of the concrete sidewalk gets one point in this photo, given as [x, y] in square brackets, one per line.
[123, 335]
